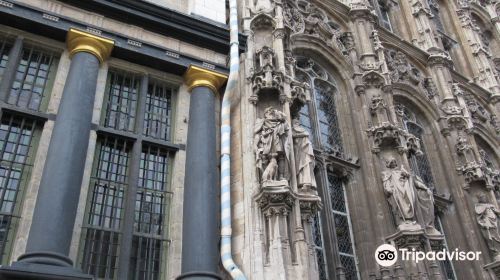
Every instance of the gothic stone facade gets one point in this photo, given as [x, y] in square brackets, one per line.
[357, 123]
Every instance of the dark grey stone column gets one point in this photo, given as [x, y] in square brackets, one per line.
[15, 54]
[200, 227]
[51, 230]
[62, 177]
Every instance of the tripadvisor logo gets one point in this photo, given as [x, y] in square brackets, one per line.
[387, 255]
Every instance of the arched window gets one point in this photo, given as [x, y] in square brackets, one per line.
[420, 166]
[325, 121]
[419, 163]
[320, 117]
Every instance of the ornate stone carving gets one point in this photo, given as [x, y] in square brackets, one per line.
[487, 219]
[377, 103]
[478, 112]
[272, 147]
[400, 69]
[303, 17]
[400, 195]
[390, 135]
[264, 76]
[430, 88]
[304, 158]
[449, 109]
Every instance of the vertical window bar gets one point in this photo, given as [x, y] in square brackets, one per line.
[4, 56]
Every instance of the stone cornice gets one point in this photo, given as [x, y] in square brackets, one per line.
[408, 48]
[192, 29]
[471, 86]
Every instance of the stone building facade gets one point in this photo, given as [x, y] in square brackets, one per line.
[357, 123]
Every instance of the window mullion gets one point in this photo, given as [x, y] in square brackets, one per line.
[15, 54]
[131, 193]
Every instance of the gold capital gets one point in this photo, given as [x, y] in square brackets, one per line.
[79, 41]
[200, 77]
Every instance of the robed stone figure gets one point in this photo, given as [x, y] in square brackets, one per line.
[271, 145]
[425, 199]
[304, 157]
[487, 218]
[400, 194]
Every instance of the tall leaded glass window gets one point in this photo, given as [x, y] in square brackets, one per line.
[342, 222]
[320, 116]
[324, 93]
[384, 15]
[419, 163]
[318, 248]
[121, 103]
[33, 80]
[446, 265]
[4, 56]
[327, 115]
[157, 122]
[17, 142]
[105, 205]
[152, 199]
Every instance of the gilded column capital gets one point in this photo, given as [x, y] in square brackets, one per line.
[200, 77]
[80, 41]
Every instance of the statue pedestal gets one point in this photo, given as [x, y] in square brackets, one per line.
[436, 240]
[309, 203]
[408, 236]
[493, 269]
[275, 193]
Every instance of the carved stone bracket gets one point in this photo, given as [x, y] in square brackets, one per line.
[389, 135]
[408, 239]
[280, 196]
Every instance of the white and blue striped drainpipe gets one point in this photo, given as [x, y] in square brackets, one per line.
[226, 231]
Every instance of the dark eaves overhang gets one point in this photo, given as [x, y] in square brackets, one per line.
[192, 29]
[203, 33]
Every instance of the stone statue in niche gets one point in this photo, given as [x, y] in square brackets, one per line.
[425, 200]
[487, 218]
[271, 147]
[304, 157]
[400, 195]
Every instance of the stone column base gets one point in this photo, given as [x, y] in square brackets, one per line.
[35, 271]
